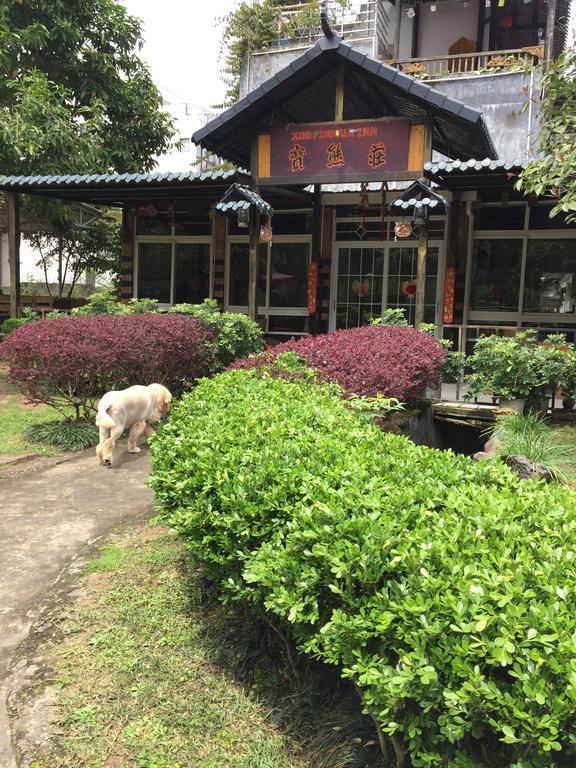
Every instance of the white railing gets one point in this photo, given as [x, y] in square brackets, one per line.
[470, 63]
[357, 20]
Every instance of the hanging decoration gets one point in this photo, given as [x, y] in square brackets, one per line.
[506, 23]
[361, 287]
[266, 231]
[149, 210]
[402, 229]
[312, 287]
[409, 288]
[449, 287]
[363, 208]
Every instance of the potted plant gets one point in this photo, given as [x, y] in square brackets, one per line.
[518, 369]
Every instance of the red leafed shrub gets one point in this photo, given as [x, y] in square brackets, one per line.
[395, 361]
[73, 361]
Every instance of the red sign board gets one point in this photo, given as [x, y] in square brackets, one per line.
[371, 148]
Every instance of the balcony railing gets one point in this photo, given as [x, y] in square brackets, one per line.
[357, 20]
[484, 62]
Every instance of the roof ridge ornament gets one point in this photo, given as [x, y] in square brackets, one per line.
[330, 39]
[324, 23]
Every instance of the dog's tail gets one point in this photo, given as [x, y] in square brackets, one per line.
[103, 419]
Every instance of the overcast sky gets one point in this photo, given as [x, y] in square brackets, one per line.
[182, 45]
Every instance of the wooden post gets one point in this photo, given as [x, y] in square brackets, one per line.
[13, 206]
[316, 247]
[339, 104]
[254, 237]
[421, 273]
[253, 264]
[549, 38]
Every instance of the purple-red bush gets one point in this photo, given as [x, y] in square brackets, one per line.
[73, 361]
[395, 361]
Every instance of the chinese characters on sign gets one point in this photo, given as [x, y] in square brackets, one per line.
[296, 157]
[338, 150]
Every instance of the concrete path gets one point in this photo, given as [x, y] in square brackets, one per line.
[47, 517]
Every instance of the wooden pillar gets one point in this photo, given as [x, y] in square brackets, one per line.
[254, 233]
[549, 38]
[13, 209]
[316, 255]
[421, 273]
[339, 101]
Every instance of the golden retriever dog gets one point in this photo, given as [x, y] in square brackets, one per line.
[136, 408]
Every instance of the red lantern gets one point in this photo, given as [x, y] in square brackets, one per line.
[506, 21]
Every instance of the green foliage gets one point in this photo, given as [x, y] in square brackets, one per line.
[72, 88]
[101, 302]
[532, 436]
[443, 588]
[238, 336]
[74, 250]
[520, 366]
[253, 26]
[391, 316]
[554, 173]
[139, 306]
[11, 323]
[68, 435]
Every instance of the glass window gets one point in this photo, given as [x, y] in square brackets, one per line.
[158, 225]
[238, 275]
[155, 271]
[496, 275]
[289, 275]
[192, 224]
[500, 217]
[550, 282]
[192, 282]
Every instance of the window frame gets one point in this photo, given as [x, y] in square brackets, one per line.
[174, 240]
[265, 310]
[482, 317]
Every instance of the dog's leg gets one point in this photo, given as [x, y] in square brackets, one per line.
[104, 433]
[148, 431]
[108, 447]
[135, 431]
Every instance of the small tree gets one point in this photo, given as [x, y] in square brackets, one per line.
[74, 250]
[554, 173]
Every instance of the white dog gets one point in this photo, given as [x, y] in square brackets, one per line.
[137, 408]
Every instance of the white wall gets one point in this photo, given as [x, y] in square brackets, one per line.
[439, 30]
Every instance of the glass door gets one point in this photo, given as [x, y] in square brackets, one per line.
[367, 280]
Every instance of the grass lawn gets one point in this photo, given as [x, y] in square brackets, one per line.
[138, 686]
[15, 418]
[152, 671]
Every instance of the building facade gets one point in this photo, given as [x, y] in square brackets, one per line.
[345, 246]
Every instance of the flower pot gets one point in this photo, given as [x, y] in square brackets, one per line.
[513, 405]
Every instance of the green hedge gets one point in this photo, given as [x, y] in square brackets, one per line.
[445, 589]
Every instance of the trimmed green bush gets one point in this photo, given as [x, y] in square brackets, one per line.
[238, 336]
[443, 588]
[11, 323]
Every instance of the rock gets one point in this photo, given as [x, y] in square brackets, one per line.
[526, 469]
